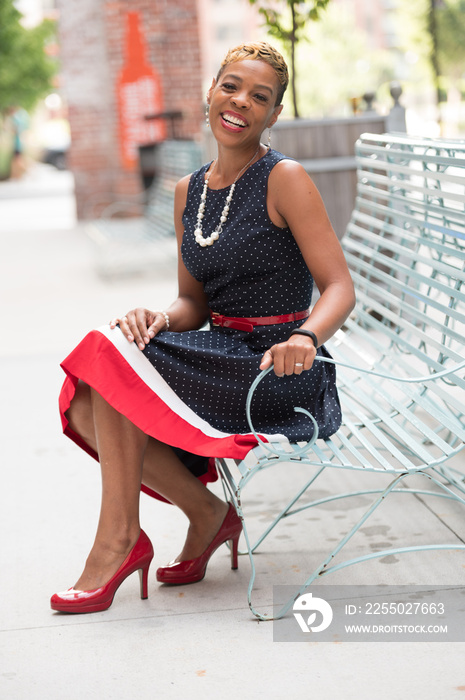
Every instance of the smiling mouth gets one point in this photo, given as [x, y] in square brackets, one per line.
[234, 121]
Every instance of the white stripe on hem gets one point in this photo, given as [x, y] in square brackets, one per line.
[153, 379]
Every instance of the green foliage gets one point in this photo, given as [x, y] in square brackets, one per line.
[338, 65]
[437, 40]
[287, 21]
[26, 72]
[451, 37]
[300, 12]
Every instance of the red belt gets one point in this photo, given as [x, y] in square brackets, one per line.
[247, 324]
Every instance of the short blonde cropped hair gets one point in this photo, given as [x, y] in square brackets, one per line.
[260, 51]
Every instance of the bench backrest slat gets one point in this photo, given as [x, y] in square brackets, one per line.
[405, 246]
[175, 159]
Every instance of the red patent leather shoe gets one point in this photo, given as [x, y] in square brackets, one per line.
[193, 570]
[139, 558]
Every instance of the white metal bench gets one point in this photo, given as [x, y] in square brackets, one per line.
[404, 403]
[125, 241]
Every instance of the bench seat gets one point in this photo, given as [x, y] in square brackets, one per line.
[400, 356]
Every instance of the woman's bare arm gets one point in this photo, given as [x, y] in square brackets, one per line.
[294, 201]
[188, 312]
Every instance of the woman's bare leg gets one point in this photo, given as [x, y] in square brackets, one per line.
[127, 455]
[121, 447]
[166, 474]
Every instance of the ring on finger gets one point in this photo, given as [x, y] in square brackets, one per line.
[298, 364]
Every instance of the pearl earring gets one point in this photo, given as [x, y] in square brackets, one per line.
[269, 138]
[207, 115]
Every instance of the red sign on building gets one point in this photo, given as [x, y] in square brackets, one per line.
[139, 93]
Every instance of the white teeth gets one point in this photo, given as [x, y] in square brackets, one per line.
[234, 120]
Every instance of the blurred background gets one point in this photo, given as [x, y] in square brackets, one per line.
[102, 109]
[94, 87]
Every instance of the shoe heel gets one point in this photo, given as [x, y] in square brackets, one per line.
[234, 546]
[143, 577]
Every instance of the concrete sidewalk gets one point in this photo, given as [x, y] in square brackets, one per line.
[195, 641]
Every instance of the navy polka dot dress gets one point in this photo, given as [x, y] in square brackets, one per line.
[189, 389]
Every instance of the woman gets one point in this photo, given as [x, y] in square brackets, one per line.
[154, 398]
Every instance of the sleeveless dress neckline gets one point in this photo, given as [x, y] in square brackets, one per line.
[223, 189]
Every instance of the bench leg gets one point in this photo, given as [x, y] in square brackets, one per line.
[324, 568]
[449, 474]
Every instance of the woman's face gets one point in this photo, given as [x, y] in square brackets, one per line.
[242, 102]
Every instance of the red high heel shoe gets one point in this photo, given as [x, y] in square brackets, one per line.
[139, 558]
[193, 570]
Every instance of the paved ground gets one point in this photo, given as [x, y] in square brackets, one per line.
[198, 641]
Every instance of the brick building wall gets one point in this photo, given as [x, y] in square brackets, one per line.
[93, 38]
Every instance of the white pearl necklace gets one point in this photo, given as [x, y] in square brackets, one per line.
[198, 232]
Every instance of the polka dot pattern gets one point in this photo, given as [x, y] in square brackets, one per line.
[254, 269]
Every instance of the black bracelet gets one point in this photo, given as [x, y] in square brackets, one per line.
[310, 334]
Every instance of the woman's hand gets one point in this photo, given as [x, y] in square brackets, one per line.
[291, 357]
[140, 325]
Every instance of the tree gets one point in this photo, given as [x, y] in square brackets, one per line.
[450, 37]
[339, 63]
[447, 29]
[26, 72]
[289, 26]
[435, 30]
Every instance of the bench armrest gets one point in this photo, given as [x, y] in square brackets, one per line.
[272, 447]
[392, 377]
[299, 451]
